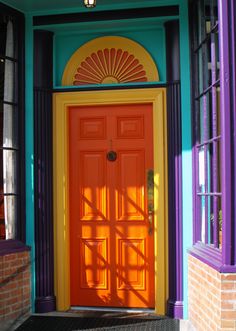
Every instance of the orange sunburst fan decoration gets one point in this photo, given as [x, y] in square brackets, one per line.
[109, 66]
[107, 60]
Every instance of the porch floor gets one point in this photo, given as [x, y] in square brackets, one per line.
[98, 321]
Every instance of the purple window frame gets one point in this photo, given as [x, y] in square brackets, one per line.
[225, 260]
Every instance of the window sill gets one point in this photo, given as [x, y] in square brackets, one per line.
[211, 256]
[12, 246]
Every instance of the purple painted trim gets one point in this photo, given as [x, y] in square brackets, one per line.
[195, 128]
[12, 247]
[226, 158]
[174, 171]
[206, 153]
[175, 309]
[214, 134]
[44, 265]
[233, 71]
[212, 257]
[45, 304]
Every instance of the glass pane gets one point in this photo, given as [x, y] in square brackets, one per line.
[201, 126]
[200, 70]
[9, 77]
[3, 33]
[214, 17]
[8, 126]
[8, 185]
[205, 118]
[201, 169]
[2, 216]
[217, 55]
[209, 63]
[216, 222]
[8, 179]
[10, 212]
[2, 68]
[9, 171]
[203, 219]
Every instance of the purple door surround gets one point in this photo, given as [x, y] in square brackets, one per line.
[175, 301]
[43, 66]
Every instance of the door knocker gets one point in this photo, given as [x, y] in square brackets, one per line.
[111, 156]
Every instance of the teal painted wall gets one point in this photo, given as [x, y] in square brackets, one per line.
[29, 148]
[151, 38]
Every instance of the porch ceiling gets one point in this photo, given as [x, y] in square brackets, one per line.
[70, 5]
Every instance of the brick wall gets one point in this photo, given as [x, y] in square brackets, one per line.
[212, 298]
[15, 288]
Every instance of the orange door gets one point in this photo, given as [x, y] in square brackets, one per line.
[111, 245]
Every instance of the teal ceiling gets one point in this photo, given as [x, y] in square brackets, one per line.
[72, 5]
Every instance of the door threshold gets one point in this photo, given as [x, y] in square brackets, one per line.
[113, 310]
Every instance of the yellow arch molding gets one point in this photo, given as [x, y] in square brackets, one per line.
[61, 101]
[106, 70]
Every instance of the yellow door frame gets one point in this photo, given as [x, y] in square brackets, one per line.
[61, 102]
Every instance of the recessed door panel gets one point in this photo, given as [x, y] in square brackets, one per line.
[111, 245]
[93, 257]
[131, 264]
[131, 184]
[92, 183]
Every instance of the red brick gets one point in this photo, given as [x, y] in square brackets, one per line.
[10, 286]
[227, 324]
[10, 257]
[228, 277]
[228, 295]
[227, 305]
[17, 292]
[229, 314]
[228, 285]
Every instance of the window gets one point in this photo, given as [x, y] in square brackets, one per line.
[206, 124]
[11, 130]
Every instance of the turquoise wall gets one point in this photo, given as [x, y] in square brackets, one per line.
[153, 40]
[29, 148]
[67, 39]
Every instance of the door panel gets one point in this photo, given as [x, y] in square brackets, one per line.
[92, 179]
[112, 252]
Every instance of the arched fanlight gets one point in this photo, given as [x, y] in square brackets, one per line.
[90, 3]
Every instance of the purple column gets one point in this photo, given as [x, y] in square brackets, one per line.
[175, 302]
[233, 73]
[43, 68]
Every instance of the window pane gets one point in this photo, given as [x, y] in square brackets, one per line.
[9, 171]
[2, 217]
[205, 118]
[217, 56]
[203, 218]
[9, 77]
[8, 185]
[200, 70]
[209, 63]
[10, 212]
[3, 33]
[8, 126]
[2, 70]
[201, 167]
